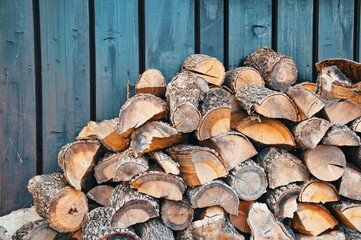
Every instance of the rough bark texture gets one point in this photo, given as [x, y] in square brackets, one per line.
[350, 183]
[332, 235]
[100, 194]
[166, 162]
[272, 104]
[242, 76]
[248, 180]
[177, 215]
[154, 229]
[39, 229]
[309, 132]
[316, 191]
[151, 81]
[104, 170]
[129, 166]
[214, 193]
[350, 233]
[277, 162]
[348, 212]
[278, 71]
[341, 135]
[342, 111]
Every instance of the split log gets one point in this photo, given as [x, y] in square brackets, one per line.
[183, 94]
[283, 200]
[104, 170]
[78, 235]
[100, 194]
[332, 235]
[216, 114]
[348, 212]
[350, 68]
[139, 109]
[341, 135]
[263, 224]
[279, 162]
[316, 191]
[152, 136]
[212, 194]
[242, 76]
[356, 125]
[313, 219]
[326, 163]
[267, 102]
[278, 71]
[151, 81]
[39, 229]
[233, 147]
[131, 207]
[310, 85]
[64, 207]
[129, 166]
[160, 185]
[248, 180]
[77, 160]
[237, 117]
[310, 132]
[350, 183]
[154, 229]
[342, 111]
[177, 215]
[166, 162]
[240, 221]
[106, 132]
[98, 227]
[266, 131]
[209, 68]
[230, 232]
[308, 102]
[198, 165]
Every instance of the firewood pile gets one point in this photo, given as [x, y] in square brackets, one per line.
[243, 154]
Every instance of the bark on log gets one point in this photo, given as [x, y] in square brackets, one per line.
[356, 125]
[310, 132]
[177, 215]
[106, 132]
[154, 229]
[152, 136]
[350, 183]
[131, 207]
[267, 102]
[313, 219]
[283, 200]
[278, 71]
[166, 162]
[100, 194]
[350, 233]
[242, 76]
[209, 68]
[151, 81]
[326, 163]
[316, 191]
[39, 229]
[263, 224]
[342, 111]
[128, 166]
[233, 147]
[278, 162]
[351, 69]
[77, 160]
[266, 131]
[332, 235]
[240, 221]
[248, 180]
[341, 135]
[212, 194]
[348, 212]
[198, 165]
[160, 185]
[64, 207]
[183, 94]
[104, 170]
[139, 109]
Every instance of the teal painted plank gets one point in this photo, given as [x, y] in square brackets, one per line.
[294, 36]
[65, 74]
[117, 54]
[169, 34]
[336, 29]
[17, 104]
[211, 28]
[250, 27]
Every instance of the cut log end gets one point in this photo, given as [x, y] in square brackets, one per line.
[216, 121]
[242, 76]
[186, 118]
[151, 81]
[316, 191]
[177, 215]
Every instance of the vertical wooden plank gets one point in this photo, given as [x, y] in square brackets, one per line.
[250, 27]
[295, 34]
[336, 29]
[358, 31]
[117, 53]
[169, 34]
[65, 74]
[211, 28]
[17, 103]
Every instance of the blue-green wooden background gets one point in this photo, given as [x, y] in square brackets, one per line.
[65, 62]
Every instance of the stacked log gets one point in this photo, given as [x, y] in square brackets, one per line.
[258, 157]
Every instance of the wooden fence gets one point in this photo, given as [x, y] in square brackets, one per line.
[65, 62]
